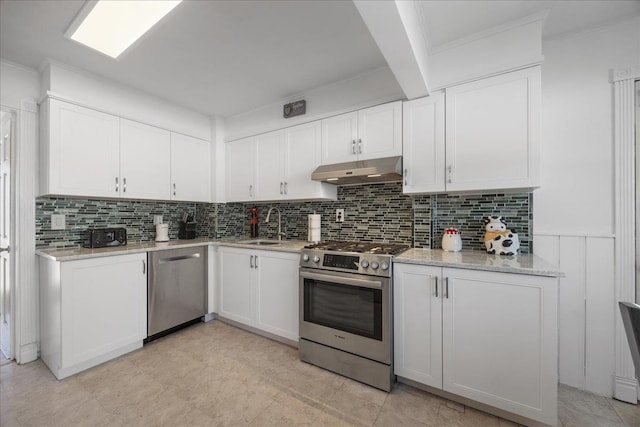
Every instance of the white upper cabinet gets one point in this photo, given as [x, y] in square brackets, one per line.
[239, 170]
[493, 128]
[366, 134]
[80, 151]
[189, 168]
[276, 166]
[88, 153]
[423, 147]
[145, 161]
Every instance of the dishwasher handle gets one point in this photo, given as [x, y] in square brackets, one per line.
[177, 258]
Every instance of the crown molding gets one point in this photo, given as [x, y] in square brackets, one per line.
[631, 72]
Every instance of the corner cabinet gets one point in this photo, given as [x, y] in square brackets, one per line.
[485, 336]
[88, 153]
[91, 310]
[370, 133]
[259, 289]
[478, 136]
[276, 166]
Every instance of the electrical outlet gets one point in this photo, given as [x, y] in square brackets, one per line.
[57, 222]
[339, 215]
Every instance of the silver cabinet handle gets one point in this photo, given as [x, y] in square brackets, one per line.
[281, 186]
[251, 261]
[117, 184]
[251, 191]
[124, 185]
[285, 187]
[449, 177]
[436, 279]
[174, 188]
[353, 147]
[405, 177]
[144, 267]
[255, 261]
[359, 145]
[446, 284]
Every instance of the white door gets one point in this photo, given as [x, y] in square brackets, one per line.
[277, 285]
[239, 170]
[84, 151]
[380, 131]
[500, 341]
[237, 292]
[269, 163]
[417, 306]
[339, 138]
[145, 161]
[189, 169]
[423, 145]
[302, 152]
[5, 232]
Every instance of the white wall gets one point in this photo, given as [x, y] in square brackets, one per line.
[573, 209]
[375, 87]
[108, 96]
[19, 88]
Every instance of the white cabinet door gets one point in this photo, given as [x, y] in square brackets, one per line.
[82, 153]
[500, 341]
[103, 306]
[302, 152]
[418, 323]
[269, 164]
[189, 169]
[239, 173]
[380, 131]
[277, 287]
[493, 132]
[145, 161]
[237, 287]
[423, 146]
[339, 138]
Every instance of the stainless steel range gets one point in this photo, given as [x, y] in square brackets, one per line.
[345, 309]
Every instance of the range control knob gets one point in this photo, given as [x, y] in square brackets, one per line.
[316, 259]
[384, 266]
[364, 264]
[305, 257]
[374, 265]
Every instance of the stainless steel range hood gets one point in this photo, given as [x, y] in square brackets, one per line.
[360, 172]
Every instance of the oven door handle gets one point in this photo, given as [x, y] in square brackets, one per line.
[342, 280]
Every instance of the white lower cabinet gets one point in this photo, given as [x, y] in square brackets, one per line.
[485, 336]
[91, 310]
[260, 289]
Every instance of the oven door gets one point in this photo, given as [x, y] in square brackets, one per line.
[350, 312]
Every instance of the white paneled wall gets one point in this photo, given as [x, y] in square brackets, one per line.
[586, 314]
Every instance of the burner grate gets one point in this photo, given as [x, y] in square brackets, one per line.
[360, 247]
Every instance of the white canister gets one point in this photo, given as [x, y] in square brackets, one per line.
[451, 240]
[162, 232]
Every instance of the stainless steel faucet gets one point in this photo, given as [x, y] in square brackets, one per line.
[280, 233]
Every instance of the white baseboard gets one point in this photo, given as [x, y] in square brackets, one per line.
[27, 353]
[625, 389]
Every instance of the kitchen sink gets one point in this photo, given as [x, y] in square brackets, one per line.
[260, 242]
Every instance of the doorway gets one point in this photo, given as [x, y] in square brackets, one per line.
[7, 132]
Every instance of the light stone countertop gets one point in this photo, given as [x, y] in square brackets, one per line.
[480, 260]
[72, 254]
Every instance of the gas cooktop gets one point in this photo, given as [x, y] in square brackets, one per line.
[360, 247]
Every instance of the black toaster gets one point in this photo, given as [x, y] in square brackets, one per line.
[105, 237]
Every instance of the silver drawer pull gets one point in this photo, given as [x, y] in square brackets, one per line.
[436, 279]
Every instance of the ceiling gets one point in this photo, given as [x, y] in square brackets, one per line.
[229, 57]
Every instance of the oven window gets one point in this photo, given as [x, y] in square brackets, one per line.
[352, 309]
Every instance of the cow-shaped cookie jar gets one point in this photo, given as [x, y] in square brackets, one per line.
[498, 239]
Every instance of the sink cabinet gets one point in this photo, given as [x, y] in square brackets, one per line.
[259, 289]
[91, 310]
[485, 336]
[486, 136]
[370, 133]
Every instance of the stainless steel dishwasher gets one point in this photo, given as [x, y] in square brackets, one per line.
[177, 289]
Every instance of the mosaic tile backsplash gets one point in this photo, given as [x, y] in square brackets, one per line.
[374, 212]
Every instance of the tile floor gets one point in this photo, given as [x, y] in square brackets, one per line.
[214, 375]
